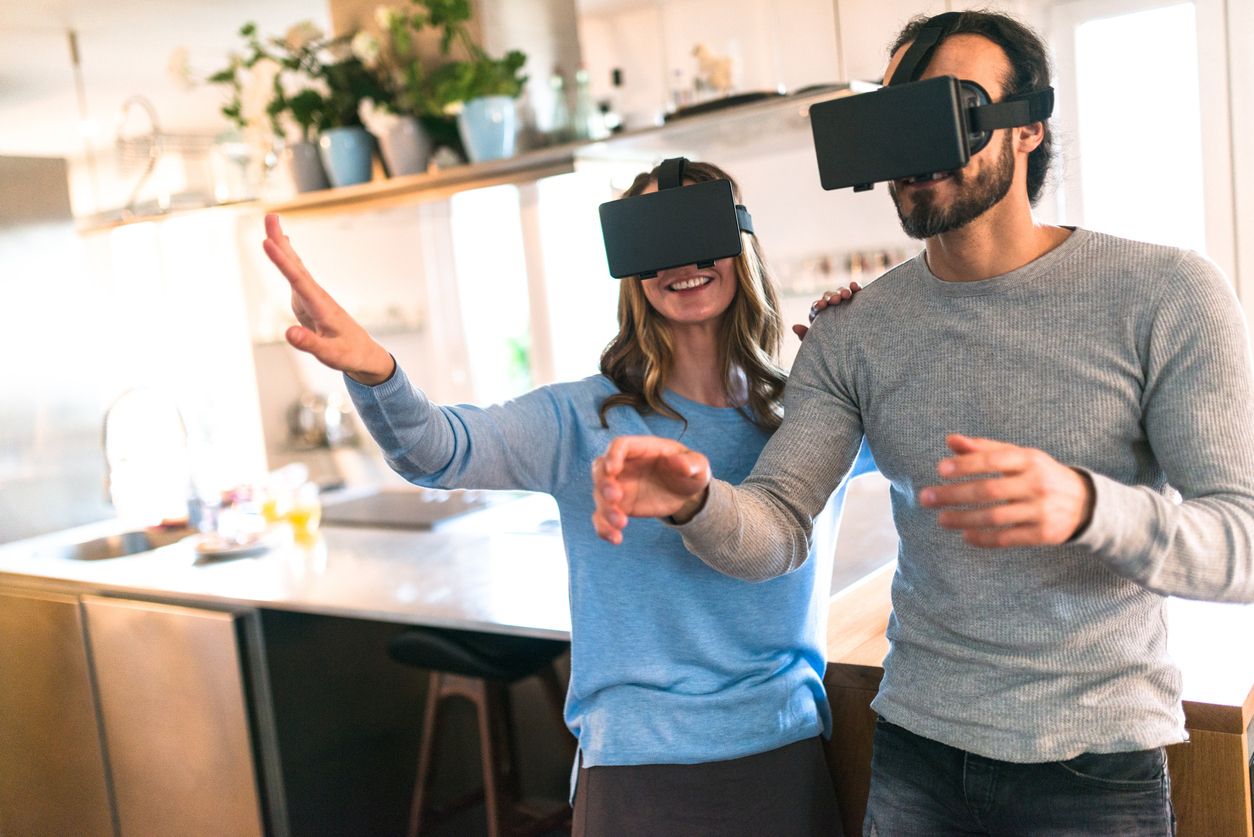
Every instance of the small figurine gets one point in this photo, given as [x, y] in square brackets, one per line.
[715, 71]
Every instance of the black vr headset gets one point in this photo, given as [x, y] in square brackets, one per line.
[914, 128]
[673, 226]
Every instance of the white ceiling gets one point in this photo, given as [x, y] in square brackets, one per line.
[125, 48]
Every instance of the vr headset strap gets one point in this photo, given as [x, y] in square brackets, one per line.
[1023, 109]
[670, 174]
[914, 62]
[743, 219]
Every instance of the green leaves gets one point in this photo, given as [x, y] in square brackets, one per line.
[319, 88]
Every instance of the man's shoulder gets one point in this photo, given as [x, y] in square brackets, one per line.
[867, 305]
[1147, 258]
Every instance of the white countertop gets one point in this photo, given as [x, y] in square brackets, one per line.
[502, 570]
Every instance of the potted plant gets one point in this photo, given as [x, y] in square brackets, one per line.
[274, 98]
[480, 90]
[314, 85]
[397, 120]
[347, 147]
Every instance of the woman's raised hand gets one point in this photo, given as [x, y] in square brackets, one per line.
[326, 330]
[646, 476]
[828, 299]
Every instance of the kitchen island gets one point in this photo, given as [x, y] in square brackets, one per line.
[177, 681]
[312, 620]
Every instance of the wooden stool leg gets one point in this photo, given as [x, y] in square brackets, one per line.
[426, 752]
[489, 755]
[506, 762]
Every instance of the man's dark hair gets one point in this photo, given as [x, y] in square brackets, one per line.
[1029, 70]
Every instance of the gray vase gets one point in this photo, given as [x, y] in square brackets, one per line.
[304, 165]
[406, 148]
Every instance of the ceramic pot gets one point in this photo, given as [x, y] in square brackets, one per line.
[347, 154]
[304, 166]
[488, 126]
[406, 147]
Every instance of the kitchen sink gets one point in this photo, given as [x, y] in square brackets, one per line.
[110, 546]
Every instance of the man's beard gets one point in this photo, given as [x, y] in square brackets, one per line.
[973, 199]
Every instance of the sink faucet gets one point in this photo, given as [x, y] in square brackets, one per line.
[147, 464]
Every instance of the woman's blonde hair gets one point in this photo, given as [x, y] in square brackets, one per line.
[638, 360]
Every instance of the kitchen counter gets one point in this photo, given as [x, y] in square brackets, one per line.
[501, 569]
[1210, 643]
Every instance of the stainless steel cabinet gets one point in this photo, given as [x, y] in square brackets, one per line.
[53, 767]
[185, 712]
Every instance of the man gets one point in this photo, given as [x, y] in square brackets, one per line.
[1034, 390]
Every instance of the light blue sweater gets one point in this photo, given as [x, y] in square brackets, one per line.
[671, 661]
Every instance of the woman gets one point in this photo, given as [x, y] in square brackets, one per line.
[697, 699]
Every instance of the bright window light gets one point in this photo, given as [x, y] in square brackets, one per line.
[1140, 128]
[583, 299]
[492, 288]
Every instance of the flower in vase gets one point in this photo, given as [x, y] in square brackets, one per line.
[301, 36]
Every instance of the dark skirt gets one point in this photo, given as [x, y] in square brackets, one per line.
[784, 793]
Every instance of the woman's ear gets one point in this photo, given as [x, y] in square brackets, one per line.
[1029, 137]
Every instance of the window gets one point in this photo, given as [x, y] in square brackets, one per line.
[492, 287]
[1143, 123]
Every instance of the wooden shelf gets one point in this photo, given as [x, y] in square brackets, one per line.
[760, 127]
[436, 185]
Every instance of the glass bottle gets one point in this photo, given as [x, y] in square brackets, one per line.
[559, 122]
[588, 124]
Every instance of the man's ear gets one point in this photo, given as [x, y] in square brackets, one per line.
[1029, 137]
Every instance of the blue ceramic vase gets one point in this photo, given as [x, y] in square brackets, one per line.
[347, 154]
[488, 127]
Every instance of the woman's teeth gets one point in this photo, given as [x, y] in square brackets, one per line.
[694, 282]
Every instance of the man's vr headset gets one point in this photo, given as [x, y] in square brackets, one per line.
[675, 226]
[914, 128]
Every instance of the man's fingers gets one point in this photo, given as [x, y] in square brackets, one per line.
[1028, 534]
[1003, 460]
[995, 517]
[604, 530]
[687, 467]
[959, 443]
[976, 492]
[800, 330]
[634, 447]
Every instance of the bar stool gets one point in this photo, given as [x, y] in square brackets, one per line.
[480, 667]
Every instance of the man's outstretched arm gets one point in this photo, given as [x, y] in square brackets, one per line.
[759, 529]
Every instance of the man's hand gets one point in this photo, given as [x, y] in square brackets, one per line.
[326, 330]
[1022, 496]
[646, 476]
[828, 299]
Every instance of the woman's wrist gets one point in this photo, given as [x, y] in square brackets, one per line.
[377, 371]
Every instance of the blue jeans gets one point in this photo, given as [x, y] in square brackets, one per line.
[922, 787]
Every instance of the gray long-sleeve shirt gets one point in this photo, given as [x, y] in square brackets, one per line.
[1127, 359]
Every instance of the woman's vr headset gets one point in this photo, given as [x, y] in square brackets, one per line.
[914, 128]
[674, 226]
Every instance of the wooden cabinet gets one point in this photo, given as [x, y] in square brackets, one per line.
[124, 717]
[178, 708]
[1210, 774]
[53, 777]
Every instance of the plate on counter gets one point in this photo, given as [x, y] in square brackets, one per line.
[214, 547]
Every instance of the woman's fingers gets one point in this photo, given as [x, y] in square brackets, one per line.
[307, 340]
[278, 249]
